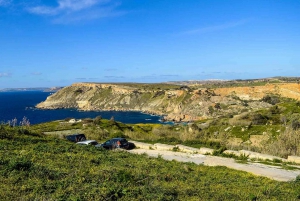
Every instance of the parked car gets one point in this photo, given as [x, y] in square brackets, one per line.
[116, 143]
[88, 142]
[76, 137]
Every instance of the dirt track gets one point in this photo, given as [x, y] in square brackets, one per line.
[272, 172]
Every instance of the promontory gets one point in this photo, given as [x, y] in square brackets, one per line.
[174, 101]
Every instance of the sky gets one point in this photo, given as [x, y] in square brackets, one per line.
[48, 43]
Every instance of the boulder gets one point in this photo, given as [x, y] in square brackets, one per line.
[294, 159]
[164, 147]
[256, 155]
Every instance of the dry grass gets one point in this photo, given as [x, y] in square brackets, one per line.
[286, 144]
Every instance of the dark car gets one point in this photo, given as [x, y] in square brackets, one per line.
[116, 143]
[76, 137]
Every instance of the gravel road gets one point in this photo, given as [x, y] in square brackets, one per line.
[272, 172]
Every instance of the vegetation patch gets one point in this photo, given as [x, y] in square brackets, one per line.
[38, 167]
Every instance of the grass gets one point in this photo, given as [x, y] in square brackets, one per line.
[283, 165]
[37, 167]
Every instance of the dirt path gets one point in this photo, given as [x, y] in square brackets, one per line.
[272, 172]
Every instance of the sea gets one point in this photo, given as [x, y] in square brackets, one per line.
[22, 104]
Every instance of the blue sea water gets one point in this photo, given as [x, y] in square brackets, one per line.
[20, 104]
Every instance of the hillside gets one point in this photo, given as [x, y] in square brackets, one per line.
[174, 102]
[37, 167]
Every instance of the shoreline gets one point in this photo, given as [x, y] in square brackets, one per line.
[162, 117]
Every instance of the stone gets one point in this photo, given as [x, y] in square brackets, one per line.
[163, 147]
[187, 149]
[294, 159]
[255, 155]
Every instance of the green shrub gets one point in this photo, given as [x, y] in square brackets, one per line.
[259, 119]
[297, 180]
[271, 99]
[242, 158]
[20, 164]
[219, 152]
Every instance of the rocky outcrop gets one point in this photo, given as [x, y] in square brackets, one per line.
[174, 103]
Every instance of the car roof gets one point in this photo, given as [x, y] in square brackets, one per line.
[76, 134]
[86, 141]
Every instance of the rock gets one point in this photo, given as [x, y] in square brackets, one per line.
[293, 159]
[255, 155]
[163, 147]
[187, 149]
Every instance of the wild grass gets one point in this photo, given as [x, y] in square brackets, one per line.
[285, 144]
[38, 167]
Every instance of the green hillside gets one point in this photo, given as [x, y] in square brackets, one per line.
[39, 167]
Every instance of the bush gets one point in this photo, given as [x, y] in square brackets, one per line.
[274, 110]
[295, 124]
[286, 144]
[4, 133]
[87, 120]
[297, 179]
[259, 119]
[273, 100]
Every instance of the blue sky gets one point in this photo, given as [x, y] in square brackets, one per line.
[45, 43]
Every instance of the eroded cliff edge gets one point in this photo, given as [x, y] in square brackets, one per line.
[174, 102]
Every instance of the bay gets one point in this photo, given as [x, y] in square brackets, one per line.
[22, 104]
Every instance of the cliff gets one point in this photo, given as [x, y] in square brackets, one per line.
[174, 102]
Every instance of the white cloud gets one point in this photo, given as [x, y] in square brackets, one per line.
[70, 11]
[215, 27]
[5, 75]
[66, 6]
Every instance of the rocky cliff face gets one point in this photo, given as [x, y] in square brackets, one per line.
[176, 103]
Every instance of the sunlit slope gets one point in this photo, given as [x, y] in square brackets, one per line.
[176, 102]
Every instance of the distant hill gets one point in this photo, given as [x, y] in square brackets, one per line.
[213, 83]
[45, 89]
